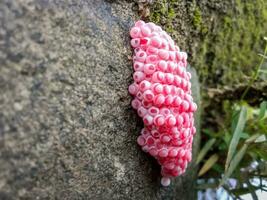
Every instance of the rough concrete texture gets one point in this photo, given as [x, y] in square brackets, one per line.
[67, 130]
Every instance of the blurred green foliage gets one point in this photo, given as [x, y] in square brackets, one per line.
[238, 150]
[240, 142]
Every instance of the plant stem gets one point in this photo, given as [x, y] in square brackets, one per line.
[256, 74]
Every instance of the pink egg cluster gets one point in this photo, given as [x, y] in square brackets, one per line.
[162, 98]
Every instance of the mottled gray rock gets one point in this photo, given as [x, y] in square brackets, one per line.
[67, 130]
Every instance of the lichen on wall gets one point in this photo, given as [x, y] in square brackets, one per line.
[223, 37]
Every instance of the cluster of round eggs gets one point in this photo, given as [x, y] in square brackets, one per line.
[162, 97]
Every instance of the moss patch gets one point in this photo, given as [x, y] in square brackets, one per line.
[231, 51]
[223, 39]
[197, 20]
[164, 12]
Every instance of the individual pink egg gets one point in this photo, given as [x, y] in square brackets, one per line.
[145, 30]
[144, 85]
[172, 55]
[157, 88]
[165, 138]
[177, 101]
[152, 26]
[156, 41]
[159, 120]
[141, 140]
[148, 119]
[164, 44]
[158, 77]
[165, 181]
[171, 66]
[169, 78]
[148, 95]
[169, 100]
[163, 54]
[133, 89]
[139, 23]
[141, 56]
[153, 151]
[141, 111]
[135, 103]
[153, 111]
[170, 121]
[152, 59]
[167, 89]
[138, 76]
[135, 42]
[162, 65]
[135, 32]
[165, 111]
[152, 50]
[149, 68]
[163, 153]
[138, 66]
[159, 99]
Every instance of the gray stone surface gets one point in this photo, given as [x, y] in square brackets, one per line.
[67, 130]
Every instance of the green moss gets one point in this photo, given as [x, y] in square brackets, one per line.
[197, 19]
[164, 12]
[224, 44]
[235, 44]
[171, 13]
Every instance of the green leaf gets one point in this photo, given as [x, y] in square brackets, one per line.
[227, 138]
[205, 149]
[244, 135]
[222, 147]
[208, 132]
[261, 153]
[263, 71]
[236, 136]
[208, 164]
[234, 120]
[265, 57]
[234, 163]
[263, 107]
[218, 168]
[252, 139]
